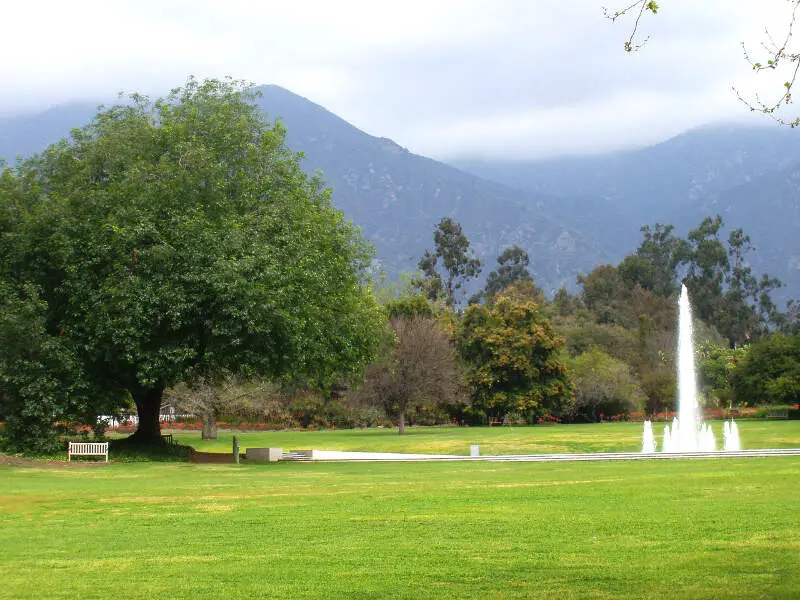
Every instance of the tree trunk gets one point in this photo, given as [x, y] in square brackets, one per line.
[209, 426]
[402, 423]
[148, 406]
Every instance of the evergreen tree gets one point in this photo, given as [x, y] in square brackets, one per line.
[513, 267]
[450, 265]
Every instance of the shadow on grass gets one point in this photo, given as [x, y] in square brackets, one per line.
[132, 449]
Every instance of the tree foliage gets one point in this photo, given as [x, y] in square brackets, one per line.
[653, 264]
[180, 237]
[514, 359]
[770, 372]
[725, 293]
[39, 373]
[775, 54]
[716, 365]
[513, 267]
[602, 385]
[450, 265]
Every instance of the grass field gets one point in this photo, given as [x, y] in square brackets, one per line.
[660, 529]
[605, 437]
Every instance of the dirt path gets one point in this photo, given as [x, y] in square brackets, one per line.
[213, 458]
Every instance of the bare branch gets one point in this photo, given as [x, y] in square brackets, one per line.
[421, 367]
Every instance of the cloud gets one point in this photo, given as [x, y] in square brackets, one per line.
[439, 76]
[635, 118]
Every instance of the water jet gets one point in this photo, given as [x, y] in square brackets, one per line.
[688, 433]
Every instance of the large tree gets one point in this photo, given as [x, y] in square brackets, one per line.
[514, 359]
[724, 291]
[179, 238]
[653, 264]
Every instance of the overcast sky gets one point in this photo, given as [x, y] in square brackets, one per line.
[494, 78]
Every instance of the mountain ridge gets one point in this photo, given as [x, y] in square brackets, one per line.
[397, 197]
[679, 182]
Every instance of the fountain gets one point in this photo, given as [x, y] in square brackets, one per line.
[688, 433]
[730, 437]
[648, 439]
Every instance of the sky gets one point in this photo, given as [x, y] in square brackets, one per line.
[510, 79]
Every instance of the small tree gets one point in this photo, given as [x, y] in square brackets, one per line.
[602, 385]
[210, 401]
[715, 365]
[416, 366]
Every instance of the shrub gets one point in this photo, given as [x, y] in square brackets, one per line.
[659, 386]
[602, 385]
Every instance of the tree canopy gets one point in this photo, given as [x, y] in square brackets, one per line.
[602, 385]
[180, 237]
[450, 265]
[513, 267]
[769, 373]
[514, 360]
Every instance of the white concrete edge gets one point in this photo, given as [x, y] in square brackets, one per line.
[337, 456]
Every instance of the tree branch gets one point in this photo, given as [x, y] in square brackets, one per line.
[643, 6]
[777, 54]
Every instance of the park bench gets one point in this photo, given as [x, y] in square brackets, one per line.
[87, 449]
[778, 414]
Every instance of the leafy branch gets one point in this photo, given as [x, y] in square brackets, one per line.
[640, 7]
[777, 55]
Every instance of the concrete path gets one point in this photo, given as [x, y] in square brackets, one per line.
[335, 456]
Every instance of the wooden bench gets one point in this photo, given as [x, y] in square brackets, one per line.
[778, 414]
[87, 449]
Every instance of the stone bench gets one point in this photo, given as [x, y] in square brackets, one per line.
[87, 449]
[263, 454]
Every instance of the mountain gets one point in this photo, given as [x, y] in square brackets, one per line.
[395, 196]
[737, 171]
[768, 209]
[27, 134]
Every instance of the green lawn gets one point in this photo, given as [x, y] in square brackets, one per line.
[649, 529]
[605, 437]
